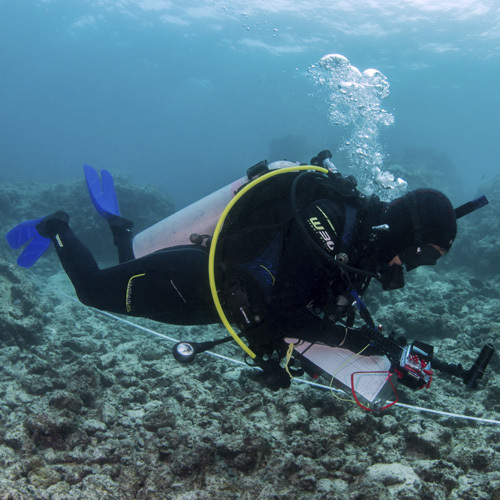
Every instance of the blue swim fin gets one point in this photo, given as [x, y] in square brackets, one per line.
[102, 191]
[26, 233]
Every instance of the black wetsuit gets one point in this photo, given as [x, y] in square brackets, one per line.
[287, 284]
[170, 286]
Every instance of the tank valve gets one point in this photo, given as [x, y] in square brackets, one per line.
[197, 239]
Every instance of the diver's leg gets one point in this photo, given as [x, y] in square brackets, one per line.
[170, 286]
[122, 237]
[102, 289]
[75, 257]
[103, 196]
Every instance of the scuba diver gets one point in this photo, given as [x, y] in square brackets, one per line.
[291, 258]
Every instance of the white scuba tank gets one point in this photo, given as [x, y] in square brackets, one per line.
[199, 218]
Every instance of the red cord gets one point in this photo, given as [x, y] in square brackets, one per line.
[363, 406]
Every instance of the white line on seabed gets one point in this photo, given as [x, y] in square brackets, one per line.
[314, 384]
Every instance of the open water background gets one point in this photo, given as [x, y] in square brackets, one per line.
[186, 95]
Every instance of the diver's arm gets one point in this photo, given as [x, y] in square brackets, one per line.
[338, 335]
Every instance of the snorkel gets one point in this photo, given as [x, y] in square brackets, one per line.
[471, 206]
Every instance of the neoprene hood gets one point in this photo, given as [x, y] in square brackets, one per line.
[421, 216]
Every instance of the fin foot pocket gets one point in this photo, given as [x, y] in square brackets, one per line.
[50, 224]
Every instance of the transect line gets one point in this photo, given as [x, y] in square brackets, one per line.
[314, 384]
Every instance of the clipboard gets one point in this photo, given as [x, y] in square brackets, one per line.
[370, 374]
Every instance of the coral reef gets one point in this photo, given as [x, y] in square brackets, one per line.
[93, 408]
[478, 244]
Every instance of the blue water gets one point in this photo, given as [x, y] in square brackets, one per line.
[187, 97]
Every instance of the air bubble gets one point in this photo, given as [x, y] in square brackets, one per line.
[354, 99]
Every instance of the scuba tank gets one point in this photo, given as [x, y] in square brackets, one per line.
[196, 222]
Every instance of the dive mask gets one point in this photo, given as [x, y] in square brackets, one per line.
[419, 255]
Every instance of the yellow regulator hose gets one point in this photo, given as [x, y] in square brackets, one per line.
[215, 237]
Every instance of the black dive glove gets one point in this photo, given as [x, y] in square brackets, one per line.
[273, 375]
[391, 277]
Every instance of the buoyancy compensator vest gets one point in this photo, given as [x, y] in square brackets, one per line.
[286, 246]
